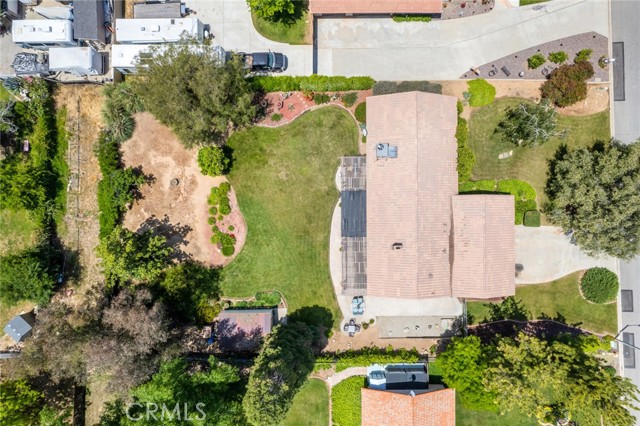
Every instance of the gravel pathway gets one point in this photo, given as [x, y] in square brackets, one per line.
[517, 62]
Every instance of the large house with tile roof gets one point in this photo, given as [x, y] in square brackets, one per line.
[419, 238]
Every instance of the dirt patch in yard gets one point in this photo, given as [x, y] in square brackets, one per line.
[365, 338]
[180, 212]
[597, 96]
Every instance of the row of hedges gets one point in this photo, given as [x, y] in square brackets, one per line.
[315, 83]
[389, 87]
[366, 356]
[411, 18]
[523, 192]
[118, 187]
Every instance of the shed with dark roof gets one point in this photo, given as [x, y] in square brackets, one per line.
[89, 20]
[20, 326]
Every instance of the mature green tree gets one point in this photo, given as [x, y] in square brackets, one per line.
[529, 124]
[27, 275]
[552, 380]
[189, 286]
[464, 366]
[19, 403]
[273, 10]
[21, 184]
[282, 367]
[509, 309]
[208, 394]
[130, 256]
[594, 194]
[198, 95]
[212, 161]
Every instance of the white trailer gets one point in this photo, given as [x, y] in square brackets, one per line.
[145, 31]
[79, 61]
[124, 57]
[43, 33]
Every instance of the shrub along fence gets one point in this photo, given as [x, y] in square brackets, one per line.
[314, 83]
[388, 87]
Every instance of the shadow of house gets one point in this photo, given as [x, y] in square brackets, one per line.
[20, 327]
[242, 330]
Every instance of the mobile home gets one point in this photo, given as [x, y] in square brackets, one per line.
[145, 31]
[43, 33]
[124, 57]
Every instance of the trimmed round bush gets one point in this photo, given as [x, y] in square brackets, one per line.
[361, 112]
[599, 285]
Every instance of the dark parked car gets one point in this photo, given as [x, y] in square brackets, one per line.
[266, 61]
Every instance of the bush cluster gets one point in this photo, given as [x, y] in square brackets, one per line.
[599, 285]
[532, 218]
[361, 112]
[321, 98]
[120, 103]
[558, 57]
[568, 84]
[219, 198]
[389, 87]
[411, 18]
[213, 161]
[583, 55]
[118, 186]
[349, 99]
[366, 356]
[482, 93]
[536, 61]
[466, 158]
[316, 83]
[276, 117]
[220, 207]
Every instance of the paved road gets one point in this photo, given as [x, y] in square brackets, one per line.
[442, 50]
[625, 15]
[546, 254]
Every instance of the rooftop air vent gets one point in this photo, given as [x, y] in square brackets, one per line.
[384, 150]
[396, 246]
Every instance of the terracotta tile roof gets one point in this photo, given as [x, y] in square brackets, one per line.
[484, 246]
[385, 7]
[383, 408]
[409, 197]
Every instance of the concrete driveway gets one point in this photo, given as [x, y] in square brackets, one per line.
[444, 50]
[546, 254]
[231, 24]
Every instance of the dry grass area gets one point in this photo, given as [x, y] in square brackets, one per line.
[597, 97]
[180, 213]
[84, 121]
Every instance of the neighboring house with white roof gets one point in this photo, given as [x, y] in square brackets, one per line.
[162, 30]
[43, 33]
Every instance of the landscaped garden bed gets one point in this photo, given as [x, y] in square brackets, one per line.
[346, 399]
[519, 62]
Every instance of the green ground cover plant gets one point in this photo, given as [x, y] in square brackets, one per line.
[345, 402]
[321, 98]
[532, 218]
[529, 164]
[349, 99]
[361, 112]
[599, 285]
[411, 18]
[482, 93]
[283, 179]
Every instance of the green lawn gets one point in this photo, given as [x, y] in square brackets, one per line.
[559, 297]
[310, 406]
[17, 231]
[284, 180]
[290, 33]
[465, 417]
[346, 402]
[528, 164]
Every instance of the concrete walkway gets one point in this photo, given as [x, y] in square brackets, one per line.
[546, 254]
[444, 50]
[345, 374]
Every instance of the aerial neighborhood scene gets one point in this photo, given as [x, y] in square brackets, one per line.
[320, 212]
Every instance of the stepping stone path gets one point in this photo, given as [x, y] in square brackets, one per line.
[505, 155]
